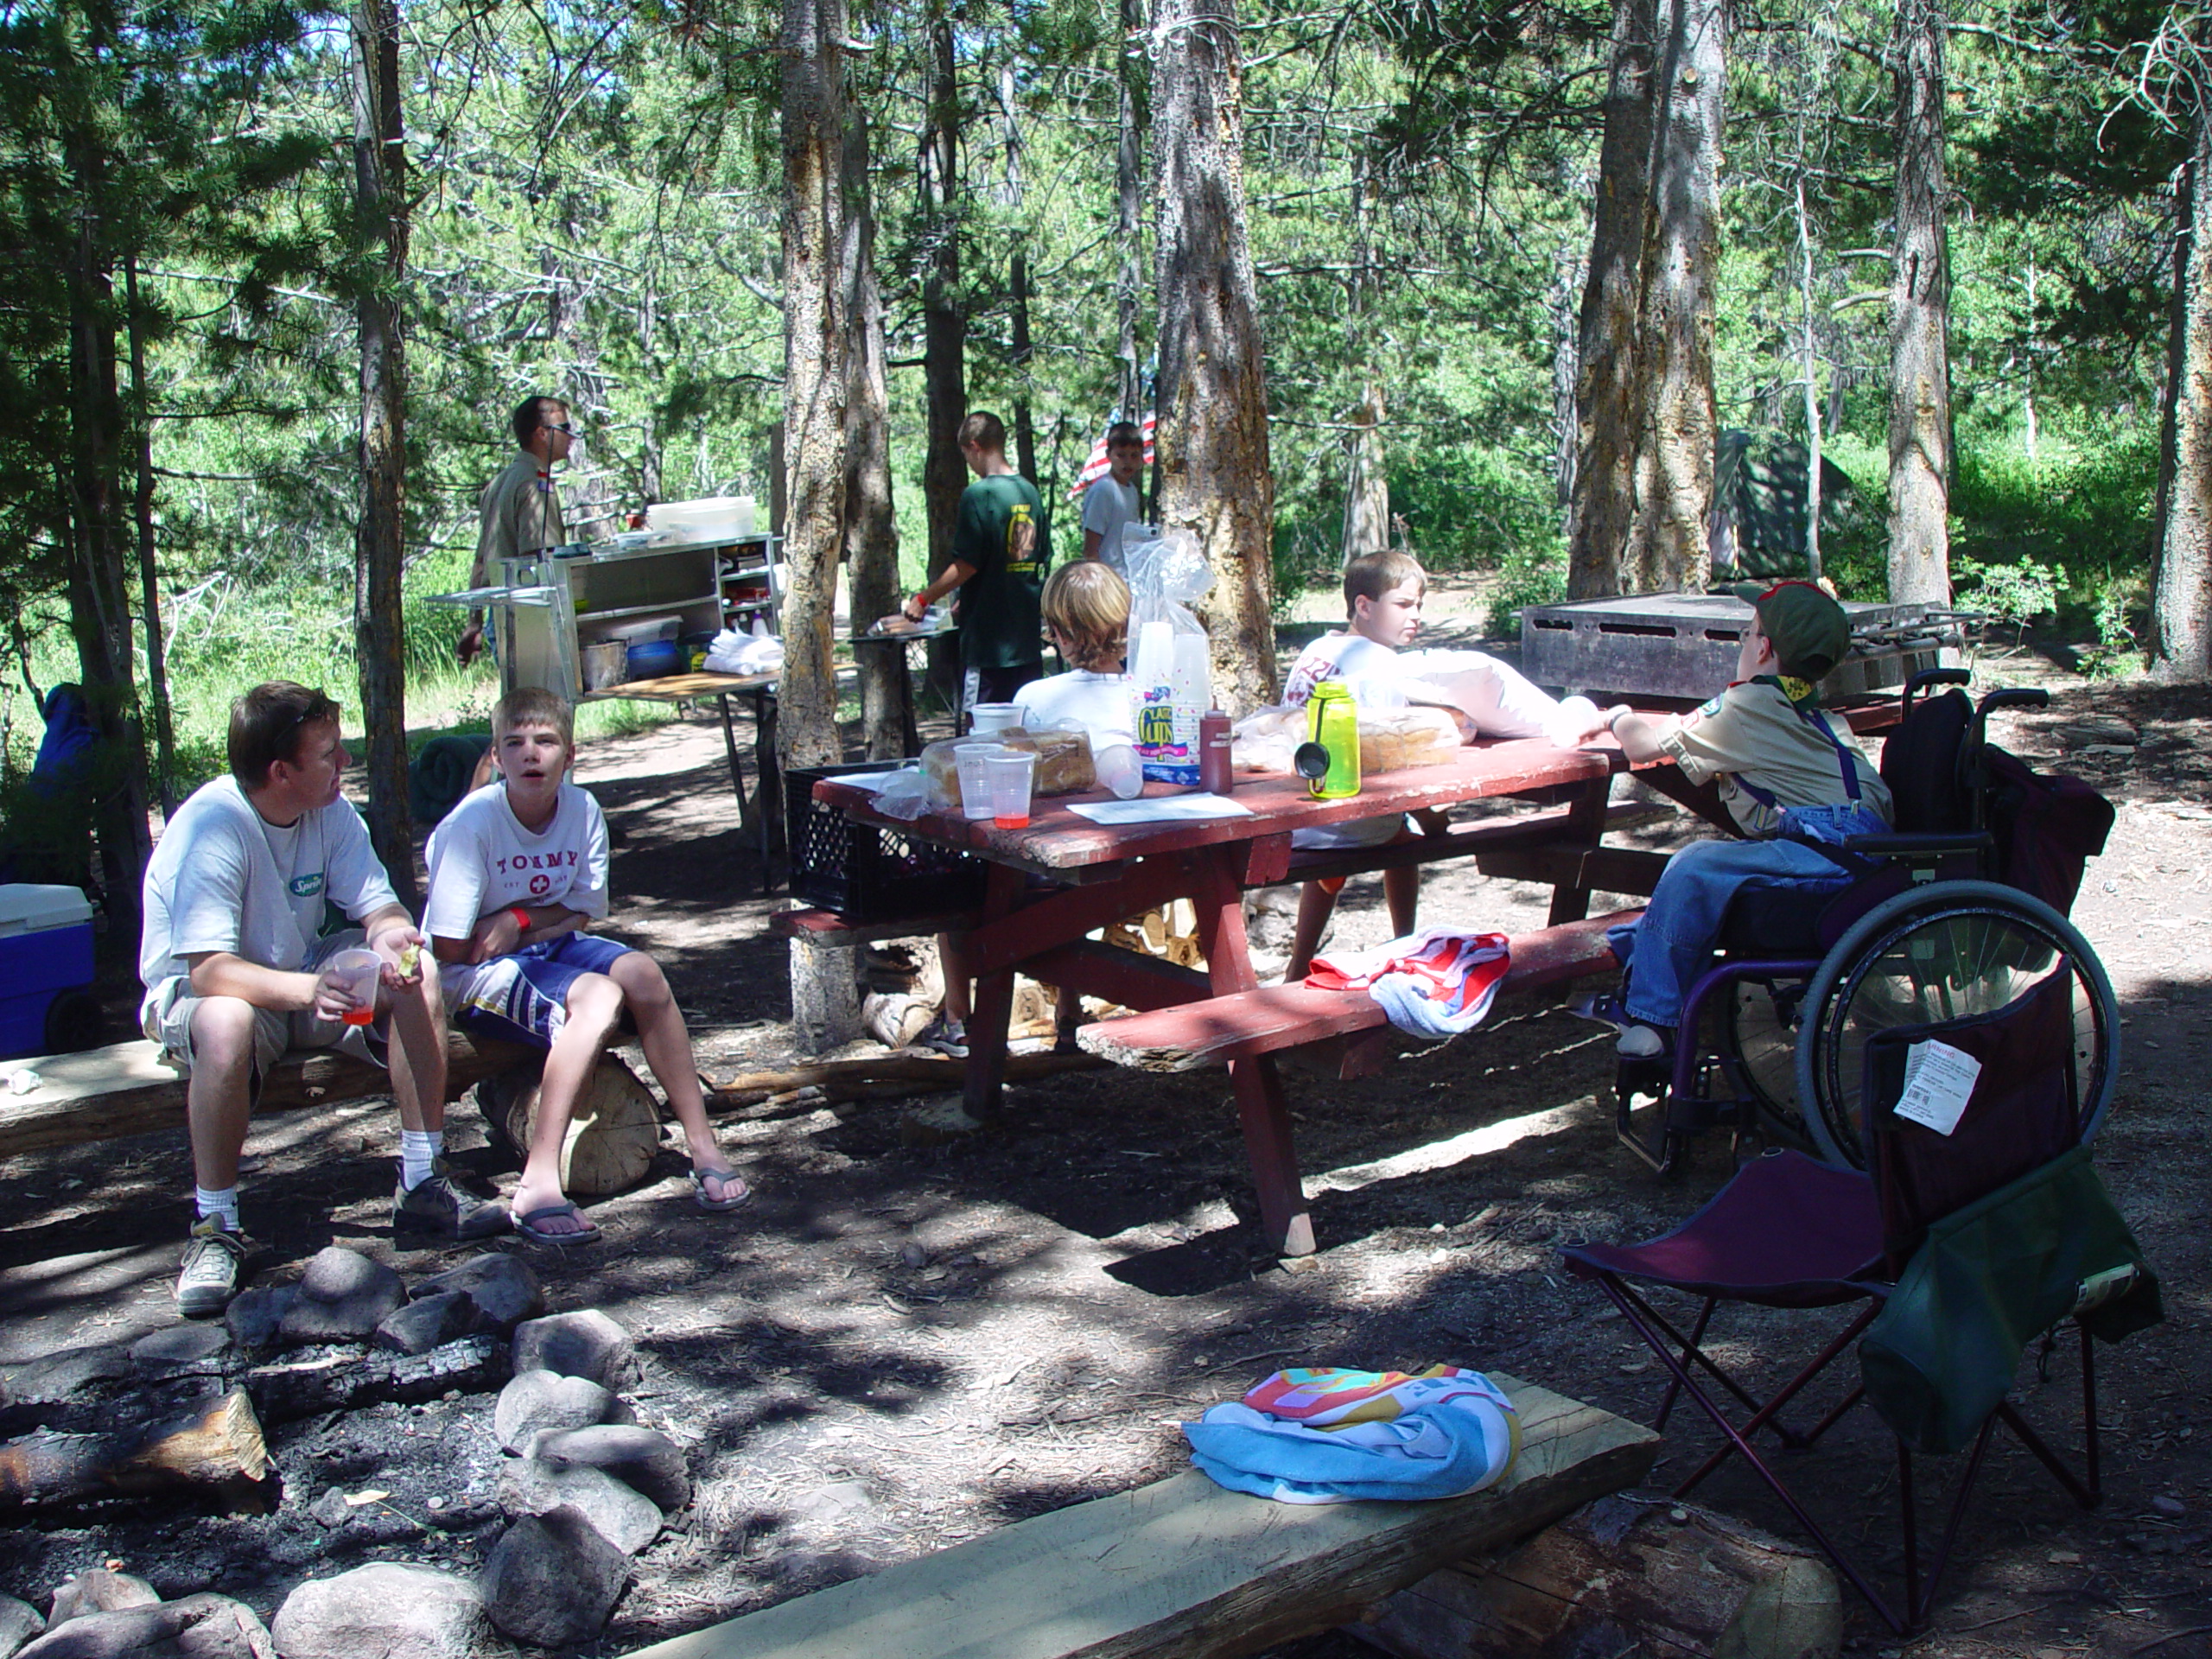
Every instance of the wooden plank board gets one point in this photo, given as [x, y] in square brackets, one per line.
[1183, 1568]
[828, 927]
[128, 1089]
[1273, 1017]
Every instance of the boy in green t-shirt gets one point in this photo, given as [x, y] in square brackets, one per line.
[1000, 554]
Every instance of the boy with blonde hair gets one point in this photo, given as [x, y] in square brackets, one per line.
[517, 873]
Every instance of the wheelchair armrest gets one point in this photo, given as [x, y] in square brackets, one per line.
[2018, 696]
[1896, 843]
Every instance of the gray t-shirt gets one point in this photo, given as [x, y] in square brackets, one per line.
[224, 878]
[1106, 507]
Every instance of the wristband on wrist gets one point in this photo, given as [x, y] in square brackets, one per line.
[521, 916]
[1612, 720]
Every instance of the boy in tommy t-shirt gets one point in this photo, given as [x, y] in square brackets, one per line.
[518, 872]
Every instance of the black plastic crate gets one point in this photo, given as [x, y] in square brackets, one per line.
[863, 871]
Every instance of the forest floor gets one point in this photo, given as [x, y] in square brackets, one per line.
[910, 1339]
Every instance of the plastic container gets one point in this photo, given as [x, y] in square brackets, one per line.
[989, 717]
[644, 629]
[866, 872]
[1216, 773]
[650, 659]
[1120, 771]
[357, 970]
[1332, 721]
[712, 518]
[974, 783]
[603, 665]
[46, 951]
[1012, 773]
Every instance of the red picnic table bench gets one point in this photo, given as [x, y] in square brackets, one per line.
[1100, 874]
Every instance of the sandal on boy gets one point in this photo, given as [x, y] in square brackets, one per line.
[526, 1224]
[726, 1176]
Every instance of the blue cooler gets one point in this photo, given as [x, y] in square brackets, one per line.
[46, 947]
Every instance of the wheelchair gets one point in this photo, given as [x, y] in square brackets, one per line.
[1956, 912]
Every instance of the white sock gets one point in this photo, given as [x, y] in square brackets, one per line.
[222, 1202]
[1641, 1043]
[419, 1151]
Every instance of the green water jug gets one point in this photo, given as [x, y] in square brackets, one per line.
[1333, 722]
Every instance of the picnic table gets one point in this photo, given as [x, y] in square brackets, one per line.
[1050, 885]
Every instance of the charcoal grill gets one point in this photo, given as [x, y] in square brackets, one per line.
[1684, 646]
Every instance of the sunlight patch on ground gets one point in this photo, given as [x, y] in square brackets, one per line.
[1454, 1149]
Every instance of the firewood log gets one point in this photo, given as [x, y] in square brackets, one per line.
[287, 1392]
[613, 1135]
[212, 1445]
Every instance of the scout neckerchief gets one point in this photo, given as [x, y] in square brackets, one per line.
[1804, 699]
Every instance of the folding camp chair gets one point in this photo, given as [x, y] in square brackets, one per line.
[1943, 1328]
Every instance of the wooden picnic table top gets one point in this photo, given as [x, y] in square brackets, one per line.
[1062, 843]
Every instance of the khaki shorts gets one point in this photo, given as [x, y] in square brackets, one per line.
[168, 1022]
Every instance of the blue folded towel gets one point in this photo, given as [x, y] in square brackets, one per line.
[1459, 1439]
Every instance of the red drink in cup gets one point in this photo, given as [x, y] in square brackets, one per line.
[356, 971]
[1010, 774]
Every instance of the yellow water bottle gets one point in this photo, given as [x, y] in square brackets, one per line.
[1333, 722]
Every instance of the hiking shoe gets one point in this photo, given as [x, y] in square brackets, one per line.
[436, 1204]
[214, 1262]
[946, 1038]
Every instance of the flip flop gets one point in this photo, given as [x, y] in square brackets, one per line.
[701, 1177]
[526, 1224]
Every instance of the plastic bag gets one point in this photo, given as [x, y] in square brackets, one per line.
[904, 797]
[758, 652]
[1169, 657]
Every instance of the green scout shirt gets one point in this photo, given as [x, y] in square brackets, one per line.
[1002, 532]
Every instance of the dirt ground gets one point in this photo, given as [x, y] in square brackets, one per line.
[908, 1341]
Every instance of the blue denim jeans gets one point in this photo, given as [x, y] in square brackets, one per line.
[1673, 945]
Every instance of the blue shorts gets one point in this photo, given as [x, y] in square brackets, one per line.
[524, 997]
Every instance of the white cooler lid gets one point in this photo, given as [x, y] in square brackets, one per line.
[25, 908]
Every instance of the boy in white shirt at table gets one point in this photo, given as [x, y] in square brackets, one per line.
[518, 873]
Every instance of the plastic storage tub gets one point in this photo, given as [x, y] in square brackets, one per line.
[46, 948]
[715, 519]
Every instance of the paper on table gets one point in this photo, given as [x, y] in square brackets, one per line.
[1938, 1083]
[870, 781]
[1166, 809]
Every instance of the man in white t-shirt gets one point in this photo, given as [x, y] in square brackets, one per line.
[518, 873]
[1111, 501]
[237, 969]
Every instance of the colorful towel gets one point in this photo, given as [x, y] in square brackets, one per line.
[1433, 984]
[1329, 1396]
[1454, 1433]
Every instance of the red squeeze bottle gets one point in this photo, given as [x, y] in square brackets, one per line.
[1216, 775]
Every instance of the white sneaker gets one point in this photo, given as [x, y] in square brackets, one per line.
[214, 1262]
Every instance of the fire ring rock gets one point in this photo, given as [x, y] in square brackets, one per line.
[583, 1343]
[97, 1590]
[552, 1580]
[197, 1627]
[343, 1297]
[383, 1610]
[536, 1399]
[502, 1288]
[641, 1458]
[620, 1514]
[19, 1623]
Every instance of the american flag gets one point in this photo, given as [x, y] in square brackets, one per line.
[1095, 468]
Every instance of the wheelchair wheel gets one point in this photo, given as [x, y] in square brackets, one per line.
[1757, 1048]
[1947, 950]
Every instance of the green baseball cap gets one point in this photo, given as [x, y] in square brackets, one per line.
[1810, 632]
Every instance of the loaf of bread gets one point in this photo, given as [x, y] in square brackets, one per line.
[1064, 764]
[1393, 738]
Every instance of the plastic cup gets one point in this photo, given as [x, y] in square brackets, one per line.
[974, 783]
[1120, 771]
[1011, 772]
[990, 717]
[356, 971]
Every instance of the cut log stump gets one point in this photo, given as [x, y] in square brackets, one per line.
[1183, 1568]
[613, 1135]
[214, 1447]
[1622, 1576]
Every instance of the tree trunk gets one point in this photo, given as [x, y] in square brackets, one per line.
[871, 529]
[1809, 364]
[380, 189]
[149, 587]
[815, 375]
[99, 587]
[1367, 485]
[1128, 197]
[1920, 306]
[1607, 414]
[1567, 280]
[2181, 580]
[1212, 395]
[945, 329]
[1667, 549]
[1025, 432]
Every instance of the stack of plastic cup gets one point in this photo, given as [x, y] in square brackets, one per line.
[1120, 771]
[1012, 771]
[357, 970]
[974, 783]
